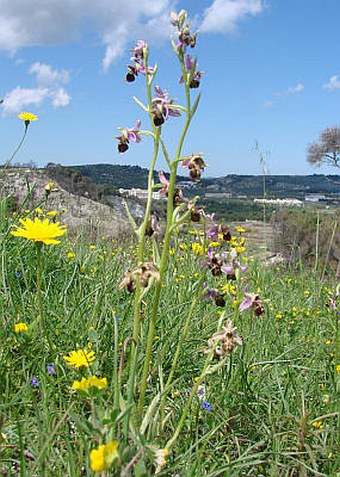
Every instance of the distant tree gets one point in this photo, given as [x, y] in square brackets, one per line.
[327, 150]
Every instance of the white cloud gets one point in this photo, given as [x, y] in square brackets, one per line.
[333, 83]
[295, 89]
[47, 76]
[223, 15]
[49, 83]
[41, 22]
[60, 98]
[19, 98]
[298, 88]
[268, 104]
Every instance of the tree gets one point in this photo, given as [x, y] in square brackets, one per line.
[327, 150]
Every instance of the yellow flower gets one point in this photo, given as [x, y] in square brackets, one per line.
[40, 231]
[92, 247]
[240, 230]
[317, 424]
[160, 457]
[197, 248]
[93, 381]
[79, 358]
[103, 457]
[20, 328]
[214, 244]
[52, 213]
[49, 186]
[71, 255]
[27, 117]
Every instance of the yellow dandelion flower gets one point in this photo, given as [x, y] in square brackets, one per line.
[93, 381]
[103, 457]
[20, 328]
[40, 231]
[240, 230]
[79, 358]
[27, 117]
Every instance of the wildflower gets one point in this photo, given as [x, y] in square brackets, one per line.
[197, 248]
[160, 455]
[193, 75]
[139, 66]
[71, 255]
[215, 230]
[20, 328]
[41, 231]
[206, 406]
[252, 300]
[185, 38]
[215, 295]
[163, 180]
[27, 117]
[230, 269]
[50, 369]
[196, 213]
[317, 424]
[52, 213]
[128, 134]
[48, 188]
[213, 262]
[200, 393]
[152, 225]
[162, 107]
[240, 230]
[103, 457]
[93, 381]
[138, 50]
[226, 340]
[34, 383]
[195, 164]
[143, 272]
[79, 358]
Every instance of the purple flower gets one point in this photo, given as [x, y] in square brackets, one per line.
[50, 369]
[162, 107]
[138, 49]
[163, 180]
[128, 134]
[252, 300]
[213, 294]
[229, 269]
[35, 382]
[206, 406]
[195, 76]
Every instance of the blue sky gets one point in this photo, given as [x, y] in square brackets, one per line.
[271, 75]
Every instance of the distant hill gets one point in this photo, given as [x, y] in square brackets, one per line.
[276, 186]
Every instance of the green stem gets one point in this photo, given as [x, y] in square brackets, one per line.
[140, 254]
[39, 294]
[7, 163]
[164, 258]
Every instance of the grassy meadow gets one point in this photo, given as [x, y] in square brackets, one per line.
[270, 408]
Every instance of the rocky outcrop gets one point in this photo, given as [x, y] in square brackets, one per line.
[26, 189]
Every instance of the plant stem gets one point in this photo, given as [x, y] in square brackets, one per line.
[164, 257]
[7, 163]
[39, 294]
